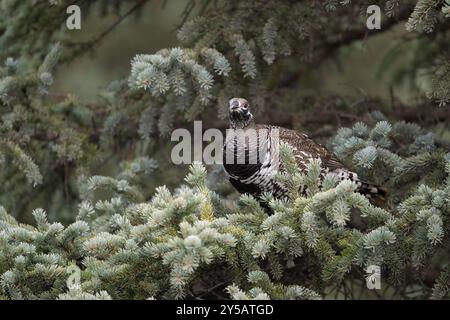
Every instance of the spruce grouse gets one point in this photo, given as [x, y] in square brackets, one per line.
[250, 155]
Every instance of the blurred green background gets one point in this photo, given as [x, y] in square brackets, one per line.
[353, 70]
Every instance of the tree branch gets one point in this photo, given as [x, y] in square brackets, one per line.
[363, 33]
[89, 45]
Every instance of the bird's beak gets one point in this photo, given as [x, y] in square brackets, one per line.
[234, 105]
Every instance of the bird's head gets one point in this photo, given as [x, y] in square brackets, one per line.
[239, 112]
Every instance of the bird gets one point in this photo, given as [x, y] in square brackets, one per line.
[251, 161]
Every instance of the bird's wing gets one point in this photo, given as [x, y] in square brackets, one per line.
[304, 148]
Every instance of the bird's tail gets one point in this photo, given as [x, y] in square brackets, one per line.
[376, 195]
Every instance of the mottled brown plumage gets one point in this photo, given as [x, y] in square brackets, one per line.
[301, 144]
[256, 145]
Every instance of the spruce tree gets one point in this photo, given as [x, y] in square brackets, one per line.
[69, 231]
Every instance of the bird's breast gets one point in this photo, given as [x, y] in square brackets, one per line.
[250, 161]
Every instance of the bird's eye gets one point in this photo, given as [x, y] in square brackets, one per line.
[245, 106]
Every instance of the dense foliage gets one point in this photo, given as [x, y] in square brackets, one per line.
[198, 240]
